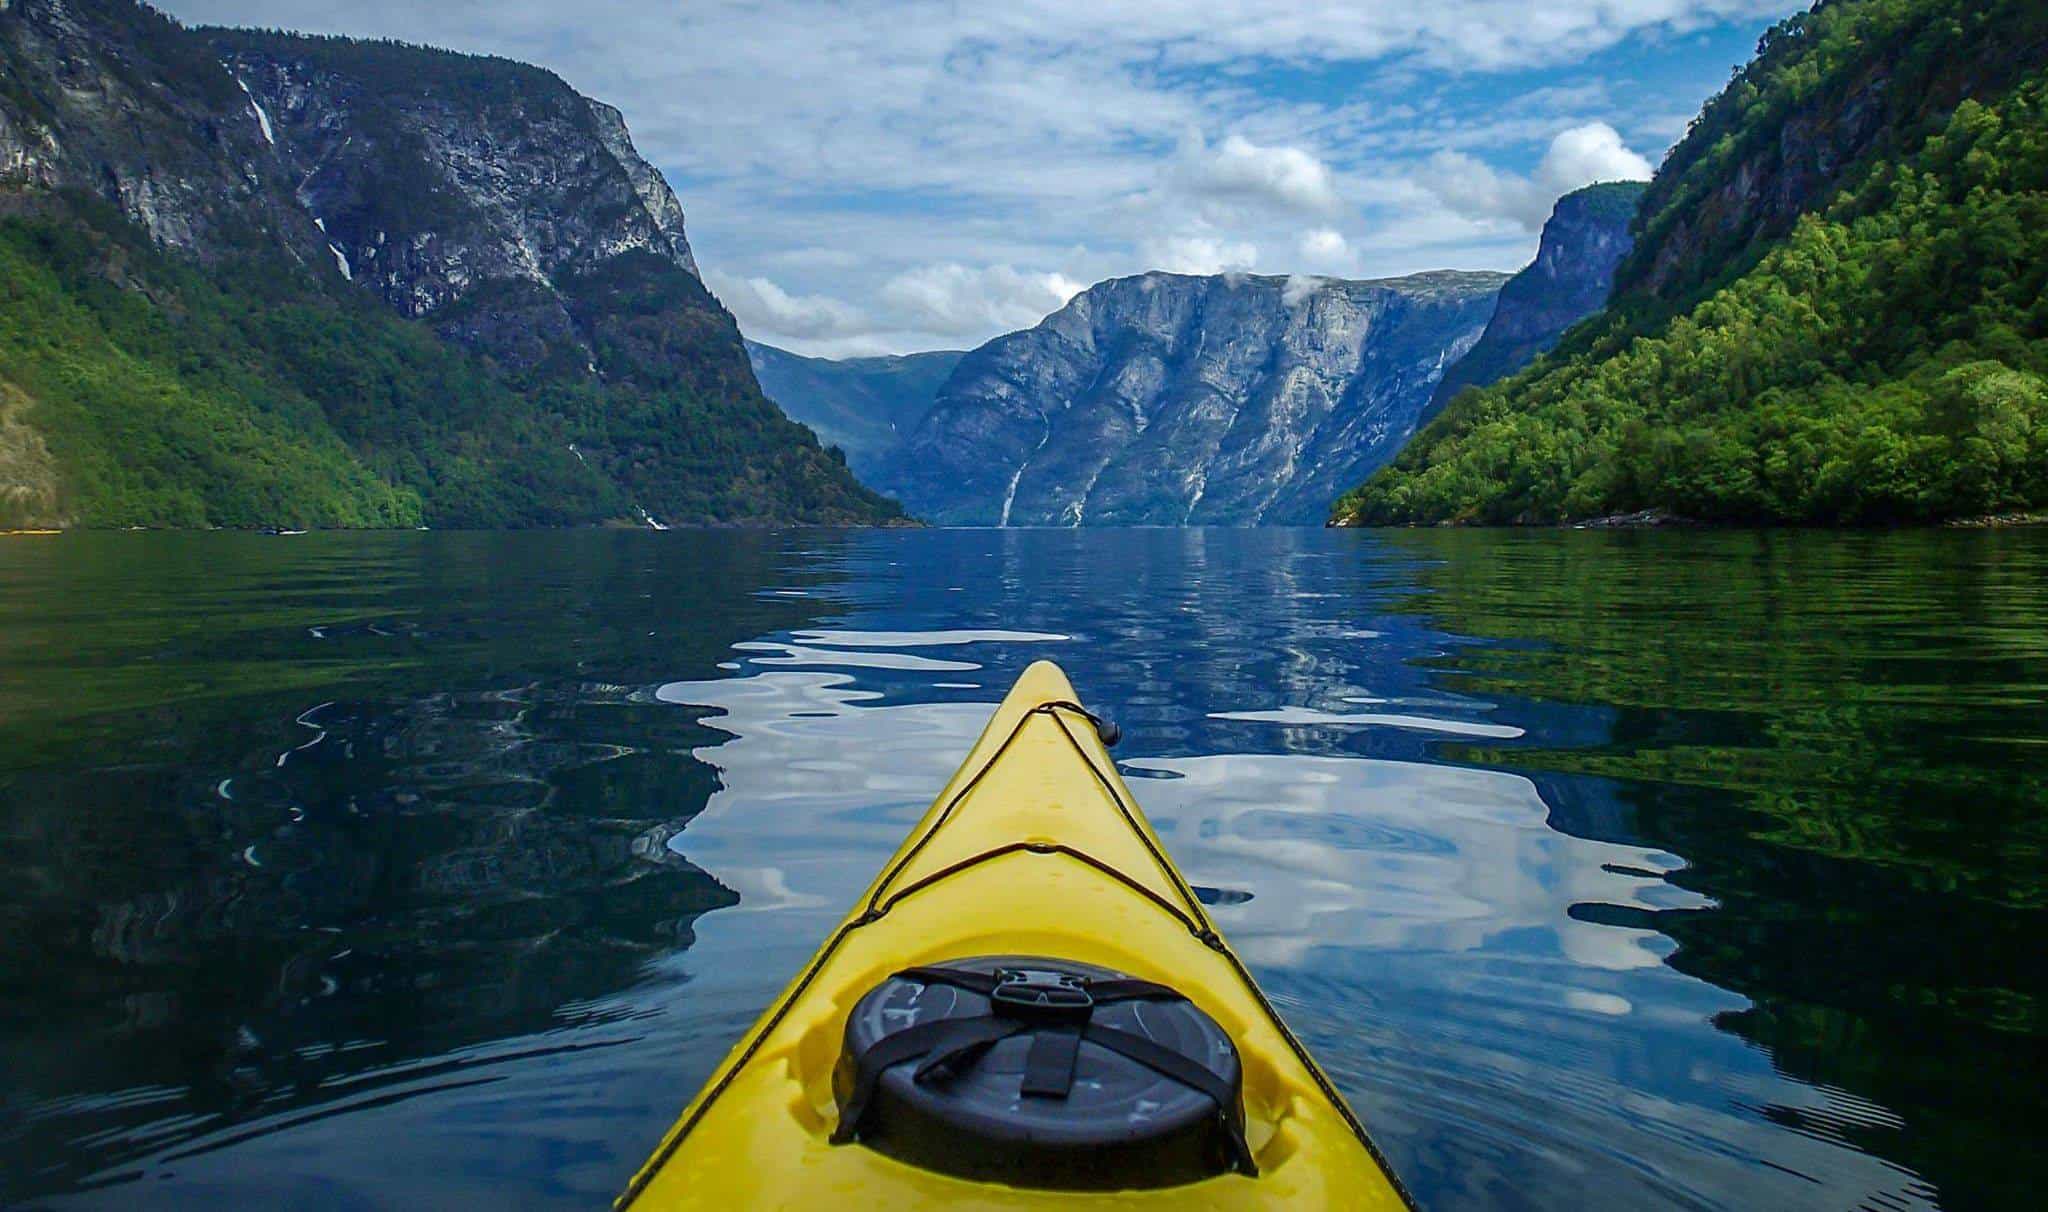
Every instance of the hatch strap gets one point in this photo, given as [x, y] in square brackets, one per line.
[1170, 1063]
[947, 1047]
[1121, 989]
[1049, 1066]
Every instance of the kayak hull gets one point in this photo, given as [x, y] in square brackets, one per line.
[1035, 847]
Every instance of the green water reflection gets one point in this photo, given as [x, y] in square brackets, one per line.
[1847, 737]
[282, 819]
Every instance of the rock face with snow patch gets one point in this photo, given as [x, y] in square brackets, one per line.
[85, 107]
[482, 195]
[1168, 399]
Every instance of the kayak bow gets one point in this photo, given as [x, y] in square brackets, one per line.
[1034, 849]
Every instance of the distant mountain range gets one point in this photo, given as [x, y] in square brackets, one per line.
[252, 278]
[1165, 399]
[864, 406]
[1168, 399]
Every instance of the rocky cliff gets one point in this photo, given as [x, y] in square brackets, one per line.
[113, 100]
[283, 186]
[1166, 399]
[1793, 127]
[867, 407]
[1586, 236]
[478, 194]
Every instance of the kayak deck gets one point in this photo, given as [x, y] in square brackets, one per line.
[1034, 847]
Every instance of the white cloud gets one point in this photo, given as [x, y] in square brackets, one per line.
[1577, 157]
[930, 306]
[1324, 242]
[1299, 288]
[1238, 171]
[831, 150]
[956, 298]
[1585, 154]
[1197, 254]
[1473, 188]
[1325, 250]
[762, 305]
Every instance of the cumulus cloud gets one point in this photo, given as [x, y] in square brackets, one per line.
[1326, 250]
[929, 306]
[1589, 153]
[1577, 157]
[1240, 172]
[763, 306]
[1198, 254]
[1473, 188]
[829, 150]
[1324, 242]
[957, 298]
[1213, 202]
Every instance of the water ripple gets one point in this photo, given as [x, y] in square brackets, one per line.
[1631, 871]
[1302, 717]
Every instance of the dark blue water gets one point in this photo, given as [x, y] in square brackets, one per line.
[1621, 871]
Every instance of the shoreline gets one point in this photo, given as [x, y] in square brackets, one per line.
[1656, 519]
[1643, 520]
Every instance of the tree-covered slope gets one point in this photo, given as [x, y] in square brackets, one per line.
[260, 279]
[170, 394]
[1833, 312]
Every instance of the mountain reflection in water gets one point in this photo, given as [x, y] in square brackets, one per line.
[418, 869]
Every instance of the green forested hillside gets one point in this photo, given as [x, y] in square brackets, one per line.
[195, 330]
[1884, 360]
[171, 394]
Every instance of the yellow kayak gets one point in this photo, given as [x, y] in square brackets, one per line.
[1028, 1007]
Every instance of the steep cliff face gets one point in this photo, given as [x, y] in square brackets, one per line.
[473, 193]
[868, 407]
[288, 186]
[1166, 399]
[113, 100]
[1792, 127]
[1586, 236]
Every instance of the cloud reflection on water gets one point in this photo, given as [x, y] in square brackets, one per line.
[1423, 924]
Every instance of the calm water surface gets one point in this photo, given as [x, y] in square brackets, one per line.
[1610, 870]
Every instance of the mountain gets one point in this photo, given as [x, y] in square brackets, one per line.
[1833, 311]
[864, 406]
[254, 278]
[1168, 399]
[872, 407]
[1583, 241]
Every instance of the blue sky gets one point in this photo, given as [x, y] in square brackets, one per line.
[891, 175]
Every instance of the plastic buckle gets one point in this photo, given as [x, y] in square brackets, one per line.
[1041, 996]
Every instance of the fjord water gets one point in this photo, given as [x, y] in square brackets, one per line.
[1600, 869]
